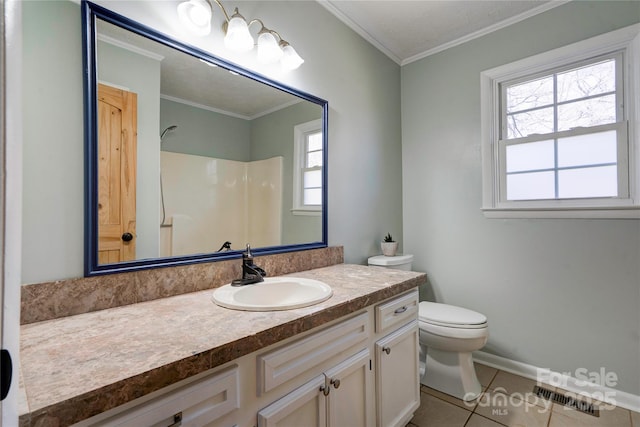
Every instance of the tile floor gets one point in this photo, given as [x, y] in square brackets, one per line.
[507, 400]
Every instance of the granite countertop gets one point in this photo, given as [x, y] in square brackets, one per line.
[75, 367]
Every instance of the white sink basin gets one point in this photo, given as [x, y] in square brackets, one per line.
[275, 293]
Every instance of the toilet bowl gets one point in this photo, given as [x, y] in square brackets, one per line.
[448, 336]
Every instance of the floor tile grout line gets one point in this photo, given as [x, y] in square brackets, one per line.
[488, 419]
[493, 378]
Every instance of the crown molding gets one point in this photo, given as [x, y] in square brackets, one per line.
[358, 29]
[327, 4]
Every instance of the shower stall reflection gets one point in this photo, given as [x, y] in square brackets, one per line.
[201, 193]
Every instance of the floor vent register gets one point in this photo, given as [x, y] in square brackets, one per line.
[569, 401]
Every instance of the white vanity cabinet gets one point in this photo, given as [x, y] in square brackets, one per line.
[342, 396]
[378, 385]
[334, 366]
[397, 361]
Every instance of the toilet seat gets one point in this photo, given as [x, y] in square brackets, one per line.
[449, 332]
[449, 316]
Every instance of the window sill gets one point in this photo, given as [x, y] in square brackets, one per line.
[306, 212]
[626, 212]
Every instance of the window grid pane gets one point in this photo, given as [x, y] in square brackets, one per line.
[312, 196]
[314, 141]
[586, 113]
[599, 181]
[313, 178]
[530, 122]
[593, 79]
[530, 95]
[590, 149]
[531, 186]
[531, 156]
[314, 159]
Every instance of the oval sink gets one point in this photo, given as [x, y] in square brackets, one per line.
[275, 293]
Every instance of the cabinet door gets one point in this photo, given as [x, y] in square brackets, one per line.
[305, 406]
[350, 400]
[397, 376]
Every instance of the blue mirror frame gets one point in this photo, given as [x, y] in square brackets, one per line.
[90, 12]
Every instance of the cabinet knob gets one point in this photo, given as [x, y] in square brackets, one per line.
[335, 382]
[177, 420]
[325, 390]
[386, 349]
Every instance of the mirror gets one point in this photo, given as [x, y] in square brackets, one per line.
[189, 157]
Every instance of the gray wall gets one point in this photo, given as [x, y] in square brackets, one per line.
[361, 84]
[272, 135]
[560, 294]
[204, 133]
[53, 153]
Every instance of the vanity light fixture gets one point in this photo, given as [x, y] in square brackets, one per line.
[196, 15]
[238, 37]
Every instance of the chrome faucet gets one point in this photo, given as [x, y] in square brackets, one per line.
[251, 273]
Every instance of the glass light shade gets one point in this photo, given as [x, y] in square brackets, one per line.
[290, 59]
[195, 15]
[238, 37]
[268, 49]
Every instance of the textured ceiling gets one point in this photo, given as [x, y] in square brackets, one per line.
[407, 30]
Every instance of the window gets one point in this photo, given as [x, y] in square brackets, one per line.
[561, 133]
[559, 139]
[307, 168]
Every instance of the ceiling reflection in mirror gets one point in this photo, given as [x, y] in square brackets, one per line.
[191, 158]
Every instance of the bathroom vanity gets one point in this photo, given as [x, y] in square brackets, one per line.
[349, 360]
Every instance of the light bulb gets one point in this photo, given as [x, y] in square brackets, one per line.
[290, 58]
[238, 37]
[195, 15]
[268, 49]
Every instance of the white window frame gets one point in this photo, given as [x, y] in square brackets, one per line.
[300, 133]
[627, 205]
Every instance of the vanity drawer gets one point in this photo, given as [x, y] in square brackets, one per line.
[399, 310]
[306, 355]
[199, 404]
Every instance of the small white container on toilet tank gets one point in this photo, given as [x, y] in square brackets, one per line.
[398, 262]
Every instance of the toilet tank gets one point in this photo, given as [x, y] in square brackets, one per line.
[398, 262]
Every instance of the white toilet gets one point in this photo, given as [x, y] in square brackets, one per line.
[448, 336]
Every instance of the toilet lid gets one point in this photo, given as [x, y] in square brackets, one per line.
[384, 261]
[444, 314]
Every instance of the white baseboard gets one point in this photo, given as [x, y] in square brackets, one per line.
[557, 379]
